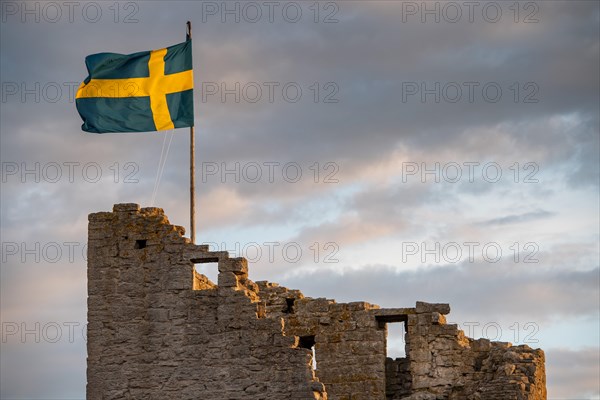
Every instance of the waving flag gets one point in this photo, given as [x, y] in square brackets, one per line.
[140, 92]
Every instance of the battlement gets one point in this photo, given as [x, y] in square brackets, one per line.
[159, 329]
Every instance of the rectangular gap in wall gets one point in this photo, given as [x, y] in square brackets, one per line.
[398, 379]
[396, 340]
[289, 306]
[205, 276]
[308, 342]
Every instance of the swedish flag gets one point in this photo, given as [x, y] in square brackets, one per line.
[140, 92]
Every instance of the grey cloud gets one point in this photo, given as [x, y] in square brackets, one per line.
[364, 120]
[519, 218]
[573, 374]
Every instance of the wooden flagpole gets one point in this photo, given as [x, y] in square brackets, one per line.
[188, 36]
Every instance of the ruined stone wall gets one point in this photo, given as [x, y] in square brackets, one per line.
[350, 349]
[158, 329]
[150, 336]
[441, 362]
[445, 364]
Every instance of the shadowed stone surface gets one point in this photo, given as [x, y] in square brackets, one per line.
[157, 329]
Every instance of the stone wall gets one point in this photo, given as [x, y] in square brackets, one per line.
[151, 336]
[445, 364]
[158, 329]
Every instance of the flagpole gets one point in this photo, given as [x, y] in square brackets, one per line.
[188, 36]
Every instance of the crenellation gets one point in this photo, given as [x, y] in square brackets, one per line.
[159, 329]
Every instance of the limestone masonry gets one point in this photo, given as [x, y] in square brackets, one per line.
[159, 330]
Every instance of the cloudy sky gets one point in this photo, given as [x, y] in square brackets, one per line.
[384, 151]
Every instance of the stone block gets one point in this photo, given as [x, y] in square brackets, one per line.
[126, 208]
[238, 266]
[152, 211]
[441, 308]
[227, 280]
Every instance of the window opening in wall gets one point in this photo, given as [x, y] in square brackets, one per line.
[308, 342]
[395, 326]
[398, 380]
[140, 244]
[396, 340]
[210, 270]
[205, 275]
[289, 306]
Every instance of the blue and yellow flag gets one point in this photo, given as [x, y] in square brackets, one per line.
[140, 92]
